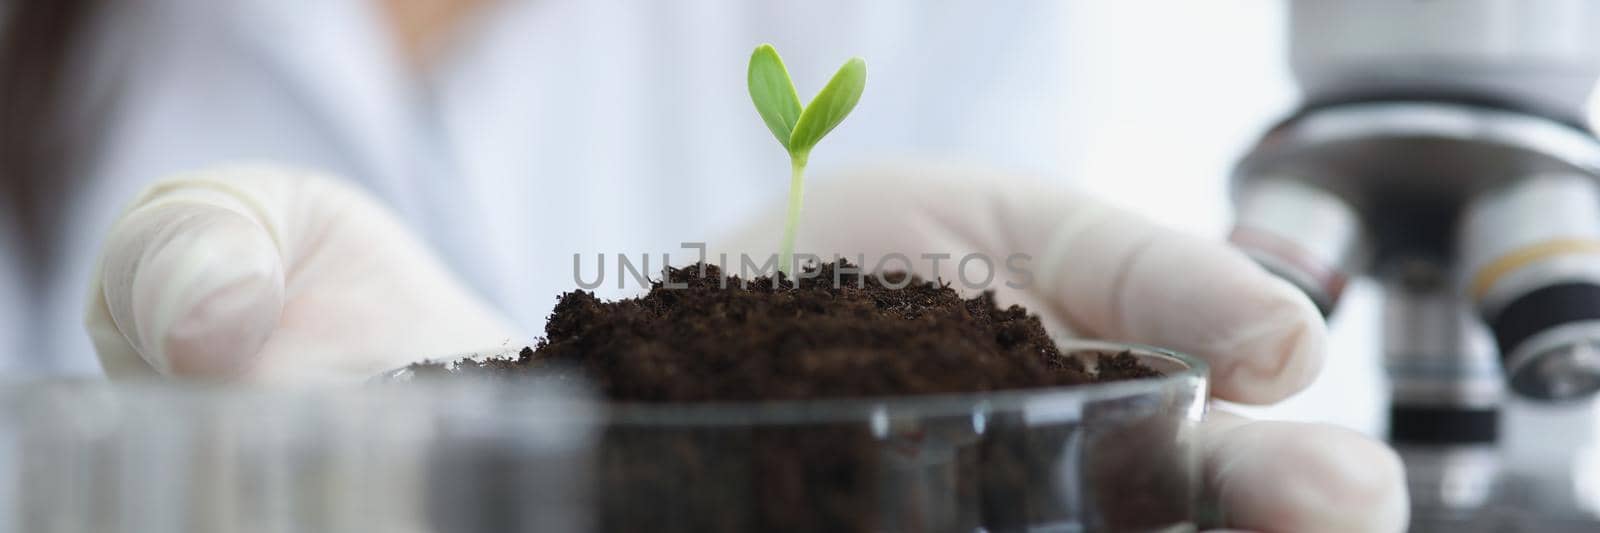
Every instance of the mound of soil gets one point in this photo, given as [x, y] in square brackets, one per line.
[843, 334]
[838, 334]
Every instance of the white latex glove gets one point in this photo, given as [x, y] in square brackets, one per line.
[1109, 274]
[262, 273]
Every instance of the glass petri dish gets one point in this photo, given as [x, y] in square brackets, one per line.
[531, 455]
[1106, 457]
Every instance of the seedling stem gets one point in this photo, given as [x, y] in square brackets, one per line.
[799, 128]
[796, 196]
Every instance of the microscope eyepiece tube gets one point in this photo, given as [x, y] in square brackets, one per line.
[1306, 235]
[1532, 250]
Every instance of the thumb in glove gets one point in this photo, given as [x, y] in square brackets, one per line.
[261, 273]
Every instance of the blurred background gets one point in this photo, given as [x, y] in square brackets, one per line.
[631, 117]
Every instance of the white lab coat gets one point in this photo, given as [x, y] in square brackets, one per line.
[554, 127]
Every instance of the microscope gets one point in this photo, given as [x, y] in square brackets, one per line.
[1442, 149]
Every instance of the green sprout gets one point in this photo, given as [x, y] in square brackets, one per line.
[799, 128]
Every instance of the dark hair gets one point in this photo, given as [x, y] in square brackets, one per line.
[38, 40]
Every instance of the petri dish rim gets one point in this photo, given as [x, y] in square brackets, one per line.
[1183, 372]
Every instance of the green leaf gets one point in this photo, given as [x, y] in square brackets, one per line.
[829, 107]
[773, 92]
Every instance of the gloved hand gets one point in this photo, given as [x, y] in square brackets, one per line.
[258, 273]
[1109, 274]
[262, 273]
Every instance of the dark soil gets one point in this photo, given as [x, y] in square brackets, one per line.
[725, 340]
[718, 340]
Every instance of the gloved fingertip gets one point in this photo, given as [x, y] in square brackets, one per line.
[1276, 356]
[196, 288]
[1280, 476]
[1263, 338]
